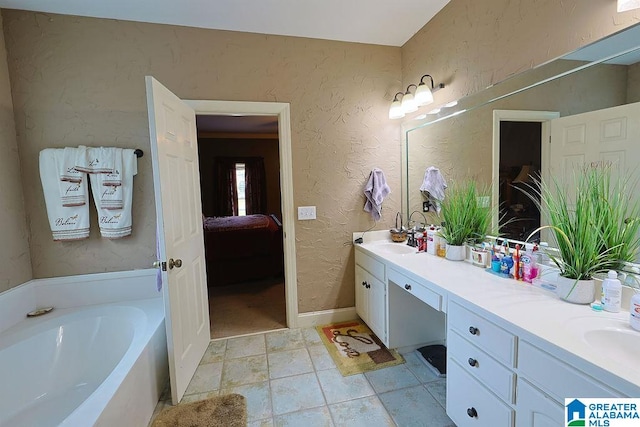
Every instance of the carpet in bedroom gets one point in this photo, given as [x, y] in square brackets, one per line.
[246, 308]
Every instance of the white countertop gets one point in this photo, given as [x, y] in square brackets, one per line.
[537, 312]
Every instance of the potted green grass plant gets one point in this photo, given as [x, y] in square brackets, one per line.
[594, 230]
[464, 216]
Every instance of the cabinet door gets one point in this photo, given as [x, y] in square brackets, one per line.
[534, 409]
[362, 296]
[377, 309]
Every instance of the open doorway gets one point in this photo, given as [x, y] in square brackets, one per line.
[520, 164]
[242, 216]
[519, 155]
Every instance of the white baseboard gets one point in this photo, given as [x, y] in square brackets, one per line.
[324, 317]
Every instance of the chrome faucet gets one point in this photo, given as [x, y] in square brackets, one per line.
[424, 224]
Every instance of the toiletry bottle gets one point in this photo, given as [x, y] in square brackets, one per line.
[431, 240]
[529, 265]
[612, 289]
[516, 263]
[634, 312]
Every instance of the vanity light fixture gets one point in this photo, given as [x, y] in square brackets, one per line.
[409, 104]
[424, 93]
[395, 111]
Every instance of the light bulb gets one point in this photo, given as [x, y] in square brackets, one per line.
[423, 95]
[395, 111]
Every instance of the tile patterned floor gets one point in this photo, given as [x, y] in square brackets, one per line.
[289, 379]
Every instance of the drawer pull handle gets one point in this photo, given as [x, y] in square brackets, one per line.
[473, 362]
[407, 287]
[472, 412]
[473, 330]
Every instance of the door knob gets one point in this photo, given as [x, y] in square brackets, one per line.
[177, 263]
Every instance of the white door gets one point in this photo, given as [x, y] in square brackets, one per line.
[603, 137]
[174, 149]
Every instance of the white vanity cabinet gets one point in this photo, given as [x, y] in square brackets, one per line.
[371, 294]
[480, 369]
[544, 381]
[495, 377]
[402, 311]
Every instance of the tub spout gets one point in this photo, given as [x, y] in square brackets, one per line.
[39, 312]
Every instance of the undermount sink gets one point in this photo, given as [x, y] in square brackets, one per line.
[396, 248]
[611, 337]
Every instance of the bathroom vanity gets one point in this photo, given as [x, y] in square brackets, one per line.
[514, 351]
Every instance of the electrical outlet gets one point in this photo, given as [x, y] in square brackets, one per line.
[306, 213]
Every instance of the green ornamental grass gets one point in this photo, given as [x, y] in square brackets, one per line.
[596, 229]
[463, 215]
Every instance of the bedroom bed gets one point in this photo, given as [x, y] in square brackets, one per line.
[242, 248]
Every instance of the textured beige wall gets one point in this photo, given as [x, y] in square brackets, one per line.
[472, 44]
[15, 267]
[81, 81]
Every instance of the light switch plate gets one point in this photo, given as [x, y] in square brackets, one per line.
[306, 213]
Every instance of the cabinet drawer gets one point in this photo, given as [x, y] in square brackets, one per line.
[418, 290]
[557, 378]
[471, 404]
[370, 264]
[482, 333]
[485, 368]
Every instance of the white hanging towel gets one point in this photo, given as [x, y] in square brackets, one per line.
[72, 184]
[95, 159]
[114, 178]
[375, 190]
[433, 184]
[110, 188]
[116, 223]
[66, 222]
[67, 166]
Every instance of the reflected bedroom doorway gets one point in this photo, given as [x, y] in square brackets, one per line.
[520, 162]
[520, 151]
[242, 217]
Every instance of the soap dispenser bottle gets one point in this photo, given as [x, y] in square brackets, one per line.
[612, 290]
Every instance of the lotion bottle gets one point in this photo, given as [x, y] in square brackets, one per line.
[612, 289]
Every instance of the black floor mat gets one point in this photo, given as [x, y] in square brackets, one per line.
[436, 355]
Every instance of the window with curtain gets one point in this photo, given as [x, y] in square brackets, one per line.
[240, 186]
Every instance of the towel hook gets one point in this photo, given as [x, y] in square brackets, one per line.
[138, 152]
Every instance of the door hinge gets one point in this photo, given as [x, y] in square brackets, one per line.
[164, 266]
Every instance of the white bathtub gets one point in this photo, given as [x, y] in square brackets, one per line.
[98, 359]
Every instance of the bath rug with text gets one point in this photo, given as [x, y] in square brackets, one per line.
[229, 410]
[355, 349]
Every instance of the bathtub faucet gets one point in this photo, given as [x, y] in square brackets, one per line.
[39, 311]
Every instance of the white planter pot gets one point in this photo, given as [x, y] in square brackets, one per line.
[575, 291]
[455, 253]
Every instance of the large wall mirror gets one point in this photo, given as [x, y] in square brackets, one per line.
[502, 134]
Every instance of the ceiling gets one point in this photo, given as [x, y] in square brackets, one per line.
[381, 22]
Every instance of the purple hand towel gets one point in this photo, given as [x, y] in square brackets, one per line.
[375, 191]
